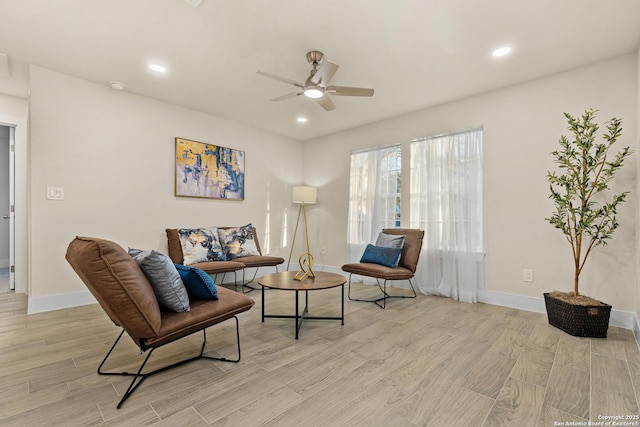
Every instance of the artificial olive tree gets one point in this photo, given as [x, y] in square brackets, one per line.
[586, 167]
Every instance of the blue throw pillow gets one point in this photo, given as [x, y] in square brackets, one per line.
[198, 283]
[389, 257]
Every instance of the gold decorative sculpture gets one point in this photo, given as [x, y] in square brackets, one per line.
[306, 267]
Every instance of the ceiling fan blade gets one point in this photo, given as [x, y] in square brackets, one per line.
[349, 91]
[287, 96]
[282, 79]
[324, 74]
[326, 103]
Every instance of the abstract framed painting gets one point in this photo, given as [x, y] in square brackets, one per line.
[208, 171]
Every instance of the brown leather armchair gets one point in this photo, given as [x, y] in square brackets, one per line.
[404, 271]
[125, 294]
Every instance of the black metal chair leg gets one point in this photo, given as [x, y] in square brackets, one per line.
[135, 382]
[385, 295]
[108, 354]
[140, 376]
[245, 284]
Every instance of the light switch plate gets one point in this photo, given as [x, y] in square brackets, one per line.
[55, 193]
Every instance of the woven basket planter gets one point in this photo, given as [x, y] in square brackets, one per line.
[578, 320]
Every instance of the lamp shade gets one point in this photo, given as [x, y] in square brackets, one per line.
[304, 195]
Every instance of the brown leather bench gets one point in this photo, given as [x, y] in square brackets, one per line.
[123, 291]
[217, 267]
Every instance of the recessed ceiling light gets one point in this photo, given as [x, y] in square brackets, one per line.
[158, 68]
[115, 85]
[502, 51]
[302, 120]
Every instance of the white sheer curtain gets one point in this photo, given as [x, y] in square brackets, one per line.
[446, 202]
[373, 196]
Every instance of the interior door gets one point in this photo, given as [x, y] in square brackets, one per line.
[7, 139]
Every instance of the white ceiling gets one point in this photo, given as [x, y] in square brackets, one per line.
[415, 53]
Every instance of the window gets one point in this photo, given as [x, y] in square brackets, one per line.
[446, 189]
[390, 174]
[446, 202]
[374, 195]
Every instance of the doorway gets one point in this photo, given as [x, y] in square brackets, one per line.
[7, 281]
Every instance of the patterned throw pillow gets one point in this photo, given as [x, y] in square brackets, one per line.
[198, 283]
[238, 242]
[389, 257]
[164, 279]
[200, 245]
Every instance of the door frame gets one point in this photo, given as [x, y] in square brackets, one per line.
[16, 268]
[12, 208]
[19, 217]
[11, 216]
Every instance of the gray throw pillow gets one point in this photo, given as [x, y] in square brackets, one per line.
[164, 279]
[390, 240]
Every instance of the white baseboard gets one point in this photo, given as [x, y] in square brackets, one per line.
[56, 302]
[622, 319]
[520, 302]
[619, 318]
[74, 299]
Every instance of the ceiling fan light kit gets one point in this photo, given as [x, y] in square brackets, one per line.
[313, 92]
[316, 86]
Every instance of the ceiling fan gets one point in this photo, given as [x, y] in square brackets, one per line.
[317, 84]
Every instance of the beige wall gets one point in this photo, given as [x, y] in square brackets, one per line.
[522, 125]
[113, 153]
[12, 107]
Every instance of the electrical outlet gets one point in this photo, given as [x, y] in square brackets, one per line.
[323, 251]
[527, 275]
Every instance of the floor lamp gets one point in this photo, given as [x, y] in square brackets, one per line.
[303, 196]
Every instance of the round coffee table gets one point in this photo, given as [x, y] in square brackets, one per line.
[285, 281]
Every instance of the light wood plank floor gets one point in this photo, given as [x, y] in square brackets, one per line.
[4, 280]
[424, 362]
